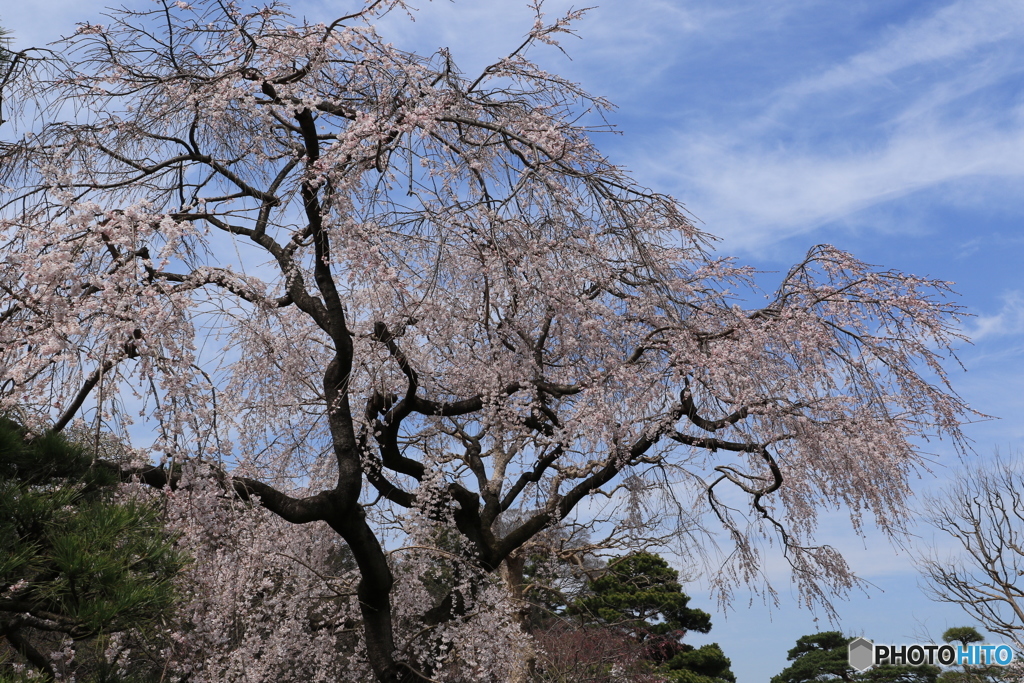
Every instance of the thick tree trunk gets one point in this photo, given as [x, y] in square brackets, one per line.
[512, 574]
[374, 590]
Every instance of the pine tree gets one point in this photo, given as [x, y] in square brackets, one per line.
[78, 562]
[640, 595]
[824, 657]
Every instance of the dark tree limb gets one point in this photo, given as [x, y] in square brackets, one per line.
[26, 650]
[90, 383]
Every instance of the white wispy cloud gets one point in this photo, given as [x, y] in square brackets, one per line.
[826, 147]
[752, 193]
[1009, 320]
[954, 30]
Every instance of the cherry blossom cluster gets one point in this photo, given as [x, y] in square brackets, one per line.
[399, 306]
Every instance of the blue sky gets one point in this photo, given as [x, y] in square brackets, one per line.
[891, 128]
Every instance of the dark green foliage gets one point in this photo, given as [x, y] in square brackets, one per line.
[963, 635]
[815, 657]
[993, 674]
[705, 664]
[76, 563]
[46, 459]
[824, 657]
[900, 674]
[640, 595]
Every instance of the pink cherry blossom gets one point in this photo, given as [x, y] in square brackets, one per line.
[418, 319]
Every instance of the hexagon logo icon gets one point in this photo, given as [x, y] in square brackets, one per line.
[861, 654]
